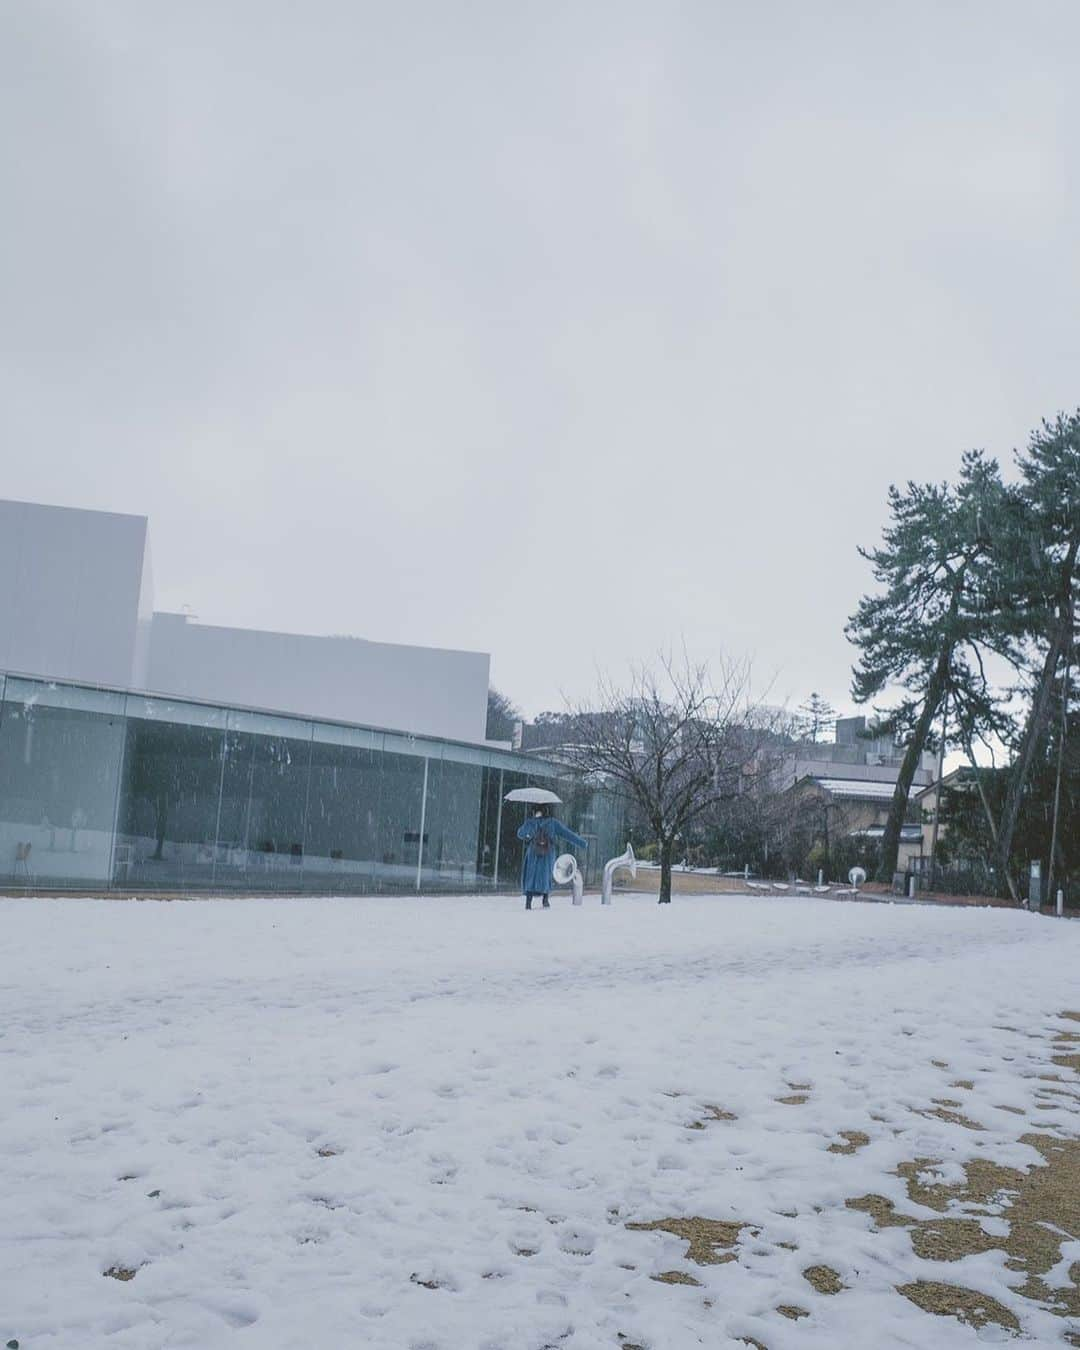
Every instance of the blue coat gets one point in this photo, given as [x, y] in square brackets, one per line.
[537, 868]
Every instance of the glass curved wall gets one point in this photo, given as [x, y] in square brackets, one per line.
[113, 790]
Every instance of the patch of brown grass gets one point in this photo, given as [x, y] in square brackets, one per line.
[124, 1273]
[967, 1084]
[796, 1099]
[854, 1140]
[1040, 1206]
[792, 1311]
[676, 1277]
[703, 1236]
[824, 1279]
[950, 1300]
[946, 1113]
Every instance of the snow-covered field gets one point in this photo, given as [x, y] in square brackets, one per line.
[398, 1124]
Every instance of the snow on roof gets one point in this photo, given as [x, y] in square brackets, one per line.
[857, 787]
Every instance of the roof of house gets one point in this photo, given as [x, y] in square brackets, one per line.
[859, 788]
[961, 779]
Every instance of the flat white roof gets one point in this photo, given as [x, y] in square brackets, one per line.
[857, 787]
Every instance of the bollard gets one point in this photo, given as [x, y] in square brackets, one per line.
[821, 876]
[1060, 903]
[911, 887]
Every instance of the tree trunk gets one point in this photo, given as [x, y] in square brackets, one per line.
[1063, 735]
[890, 843]
[1037, 721]
[667, 848]
[935, 692]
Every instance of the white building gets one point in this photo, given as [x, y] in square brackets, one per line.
[77, 604]
[77, 595]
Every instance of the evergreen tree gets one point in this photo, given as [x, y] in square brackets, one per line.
[922, 630]
[817, 718]
[1040, 590]
[501, 716]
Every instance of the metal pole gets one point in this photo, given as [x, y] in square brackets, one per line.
[423, 821]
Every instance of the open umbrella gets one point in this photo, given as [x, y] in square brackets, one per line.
[538, 796]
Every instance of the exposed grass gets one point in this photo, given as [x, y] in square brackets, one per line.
[676, 1277]
[824, 1279]
[949, 1300]
[853, 1141]
[703, 1237]
[1041, 1207]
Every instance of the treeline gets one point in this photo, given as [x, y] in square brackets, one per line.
[974, 619]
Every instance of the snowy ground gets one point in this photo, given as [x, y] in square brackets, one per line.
[501, 1093]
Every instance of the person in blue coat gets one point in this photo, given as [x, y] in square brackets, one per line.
[540, 832]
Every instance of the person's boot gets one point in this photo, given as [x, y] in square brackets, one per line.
[546, 905]
[528, 902]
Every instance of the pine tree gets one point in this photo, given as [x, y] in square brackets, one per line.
[1041, 591]
[818, 718]
[921, 631]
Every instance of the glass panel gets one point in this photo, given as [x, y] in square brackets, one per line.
[360, 738]
[341, 848]
[401, 796]
[177, 711]
[60, 754]
[487, 847]
[409, 745]
[452, 825]
[577, 811]
[45, 694]
[263, 802]
[169, 801]
[510, 847]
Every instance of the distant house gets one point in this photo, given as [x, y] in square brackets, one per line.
[837, 808]
[961, 779]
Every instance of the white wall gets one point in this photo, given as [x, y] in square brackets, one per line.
[70, 583]
[425, 690]
[76, 603]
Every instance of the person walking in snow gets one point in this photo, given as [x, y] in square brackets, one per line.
[540, 832]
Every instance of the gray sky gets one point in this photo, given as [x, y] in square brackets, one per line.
[561, 331]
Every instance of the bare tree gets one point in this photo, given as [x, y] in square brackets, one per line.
[674, 743]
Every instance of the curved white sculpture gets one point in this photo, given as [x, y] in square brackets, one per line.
[567, 873]
[628, 860]
[856, 876]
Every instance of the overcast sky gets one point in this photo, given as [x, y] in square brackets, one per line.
[559, 331]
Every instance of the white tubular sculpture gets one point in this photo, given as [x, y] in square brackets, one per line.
[626, 860]
[566, 872]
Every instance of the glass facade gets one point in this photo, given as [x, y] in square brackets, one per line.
[112, 790]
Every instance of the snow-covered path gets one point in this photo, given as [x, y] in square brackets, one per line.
[424, 1124]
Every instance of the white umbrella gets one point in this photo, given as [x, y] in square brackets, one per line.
[538, 796]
